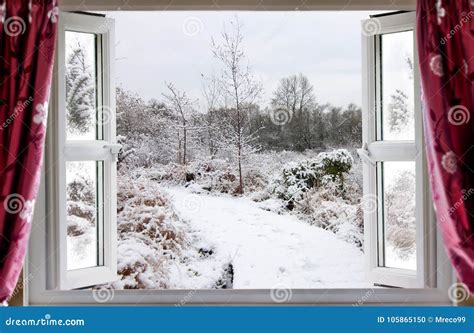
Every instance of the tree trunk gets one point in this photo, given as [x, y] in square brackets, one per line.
[184, 144]
[241, 181]
[179, 149]
[239, 148]
[211, 143]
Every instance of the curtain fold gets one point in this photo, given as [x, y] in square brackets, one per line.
[445, 36]
[27, 45]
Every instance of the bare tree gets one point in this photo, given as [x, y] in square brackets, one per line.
[211, 92]
[239, 87]
[295, 94]
[183, 108]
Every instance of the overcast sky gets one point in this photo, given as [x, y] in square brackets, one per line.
[154, 47]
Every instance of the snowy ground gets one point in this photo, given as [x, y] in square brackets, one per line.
[267, 249]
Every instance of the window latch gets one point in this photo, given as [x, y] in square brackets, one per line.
[114, 149]
[364, 154]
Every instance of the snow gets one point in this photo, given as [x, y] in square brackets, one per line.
[82, 249]
[267, 249]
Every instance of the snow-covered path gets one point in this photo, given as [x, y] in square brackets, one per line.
[269, 250]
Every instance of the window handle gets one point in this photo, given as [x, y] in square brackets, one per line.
[364, 154]
[114, 149]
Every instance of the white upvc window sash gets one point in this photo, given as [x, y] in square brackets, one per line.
[102, 151]
[377, 151]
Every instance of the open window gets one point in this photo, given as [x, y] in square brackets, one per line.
[184, 231]
[85, 172]
[395, 188]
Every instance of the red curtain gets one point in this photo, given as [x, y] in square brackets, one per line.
[27, 43]
[446, 55]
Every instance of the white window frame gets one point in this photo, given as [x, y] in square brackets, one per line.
[41, 287]
[380, 151]
[86, 150]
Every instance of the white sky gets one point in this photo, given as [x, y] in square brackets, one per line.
[152, 47]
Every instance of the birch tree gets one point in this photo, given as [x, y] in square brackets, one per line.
[240, 89]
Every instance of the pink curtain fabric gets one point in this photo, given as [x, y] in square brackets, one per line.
[446, 55]
[27, 43]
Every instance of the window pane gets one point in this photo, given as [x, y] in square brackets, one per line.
[399, 214]
[397, 86]
[81, 86]
[84, 213]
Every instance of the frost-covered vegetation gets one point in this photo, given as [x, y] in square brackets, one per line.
[293, 159]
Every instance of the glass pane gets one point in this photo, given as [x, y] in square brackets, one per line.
[399, 214]
[81, 86]
[397, 86]
[84, 213]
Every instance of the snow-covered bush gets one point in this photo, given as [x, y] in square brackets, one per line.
[150, 234]
[212, 175]
[327, 168]
[322, 190]
[332, 213]
[81, 220]
[140, 152]
[81, 211]
[81, 189]
[335, 164]
[255, 180]
[400, 213]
